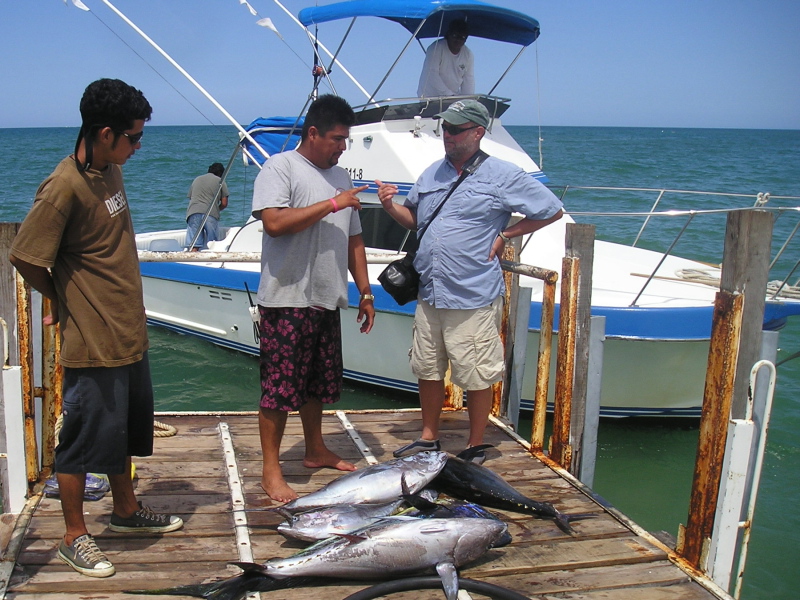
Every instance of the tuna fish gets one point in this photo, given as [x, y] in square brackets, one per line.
[476, 483]
[321, 523]
[375, 484]
[391, 548]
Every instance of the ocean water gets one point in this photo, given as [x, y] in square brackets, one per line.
[644, 466]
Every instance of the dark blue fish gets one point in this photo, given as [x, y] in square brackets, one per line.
[469, 481]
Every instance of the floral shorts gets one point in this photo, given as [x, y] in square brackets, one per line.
[301, 357]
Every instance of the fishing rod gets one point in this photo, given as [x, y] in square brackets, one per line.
[315, 40]
[180, 69]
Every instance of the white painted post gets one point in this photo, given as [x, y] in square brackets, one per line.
[14, 495]
[744, 452]
[594, 383]
[518, 357]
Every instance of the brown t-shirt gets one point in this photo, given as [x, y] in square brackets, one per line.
[80, 228]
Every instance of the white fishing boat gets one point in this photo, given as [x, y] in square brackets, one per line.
[658, 307]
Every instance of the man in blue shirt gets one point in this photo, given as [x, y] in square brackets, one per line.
[461, 284]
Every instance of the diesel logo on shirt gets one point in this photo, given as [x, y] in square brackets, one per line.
[116, 204]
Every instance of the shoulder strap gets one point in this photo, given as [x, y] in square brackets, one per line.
[470, 167]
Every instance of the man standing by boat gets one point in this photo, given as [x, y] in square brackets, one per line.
[77, 247]
[208, 195]
[449, 66]
[461, 284]
[312, 237]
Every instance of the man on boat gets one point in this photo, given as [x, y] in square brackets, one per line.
[461, 284]
[208, 195]
[448, 69]
[312, 237]
[76, 246]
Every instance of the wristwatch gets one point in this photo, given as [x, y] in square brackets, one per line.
[367, 297]
[504, 237]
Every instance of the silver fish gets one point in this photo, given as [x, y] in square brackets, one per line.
[376, 484]
[393, 547]
[321, 523]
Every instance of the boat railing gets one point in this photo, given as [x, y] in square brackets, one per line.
[407, 108]
[665, 207]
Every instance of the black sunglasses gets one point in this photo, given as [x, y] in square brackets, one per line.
[455, 129]
[133, 138]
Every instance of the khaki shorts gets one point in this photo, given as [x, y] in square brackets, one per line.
[468, 339]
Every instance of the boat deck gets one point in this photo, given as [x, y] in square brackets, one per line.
[189, 475]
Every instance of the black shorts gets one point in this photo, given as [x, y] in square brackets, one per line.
[107, 416]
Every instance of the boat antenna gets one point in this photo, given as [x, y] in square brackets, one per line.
[183, 71]
[538, 106]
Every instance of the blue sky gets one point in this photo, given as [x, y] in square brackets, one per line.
[651, 63]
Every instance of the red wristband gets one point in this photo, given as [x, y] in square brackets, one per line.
[335, 206]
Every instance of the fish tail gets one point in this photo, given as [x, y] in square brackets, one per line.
[563, 521]
[233, 588]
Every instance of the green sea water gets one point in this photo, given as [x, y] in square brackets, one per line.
[644, 465]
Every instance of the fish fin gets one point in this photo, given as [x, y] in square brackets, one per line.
[352, 538]
[470, 452]
[249, 567]
[406, 491]
[447, 571]
[419, 502]
[286, 514]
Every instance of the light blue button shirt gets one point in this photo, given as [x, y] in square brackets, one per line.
[452, 258]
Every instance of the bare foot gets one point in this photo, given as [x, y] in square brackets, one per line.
[328, 459]
[278, 490]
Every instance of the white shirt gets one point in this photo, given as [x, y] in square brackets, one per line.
[445, 73]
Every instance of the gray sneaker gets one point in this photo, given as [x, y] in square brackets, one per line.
[85, 557]
[145, 520]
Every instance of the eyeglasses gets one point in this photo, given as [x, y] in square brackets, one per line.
[455, 129]
[133, 138]
[459, 36]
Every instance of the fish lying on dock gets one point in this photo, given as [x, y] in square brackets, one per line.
[476, 483]
[321, 523]
[391, 548]
[376, 484]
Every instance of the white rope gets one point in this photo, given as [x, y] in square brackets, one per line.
[700, 276]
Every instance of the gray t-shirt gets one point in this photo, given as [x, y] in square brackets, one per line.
[202, 193]
[308, 268]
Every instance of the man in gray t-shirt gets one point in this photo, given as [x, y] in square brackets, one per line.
[312, 237]
[206, 191]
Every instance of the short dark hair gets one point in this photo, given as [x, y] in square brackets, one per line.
[109, 103]
[326, 112]
[458, 26]
[113, 103]
[217, 169]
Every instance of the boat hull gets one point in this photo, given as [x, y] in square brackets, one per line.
[213, 305]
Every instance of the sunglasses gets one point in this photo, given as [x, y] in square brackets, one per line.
[455, 129]
[133, 138]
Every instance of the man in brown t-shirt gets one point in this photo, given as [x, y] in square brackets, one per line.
[77, 247]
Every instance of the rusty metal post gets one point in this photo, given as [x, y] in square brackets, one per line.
[543, 364]
[26, 363]
[717, 396]
[560, 449]
[52, 379]
[500, 389]
[453, 395]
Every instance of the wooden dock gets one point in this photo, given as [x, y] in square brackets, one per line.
[188, 475]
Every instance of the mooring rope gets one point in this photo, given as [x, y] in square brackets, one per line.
[159, 429]
[700, 276]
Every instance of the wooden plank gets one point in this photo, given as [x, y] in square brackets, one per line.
[603, 556]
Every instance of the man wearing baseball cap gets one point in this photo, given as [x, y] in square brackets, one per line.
[461, 285]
